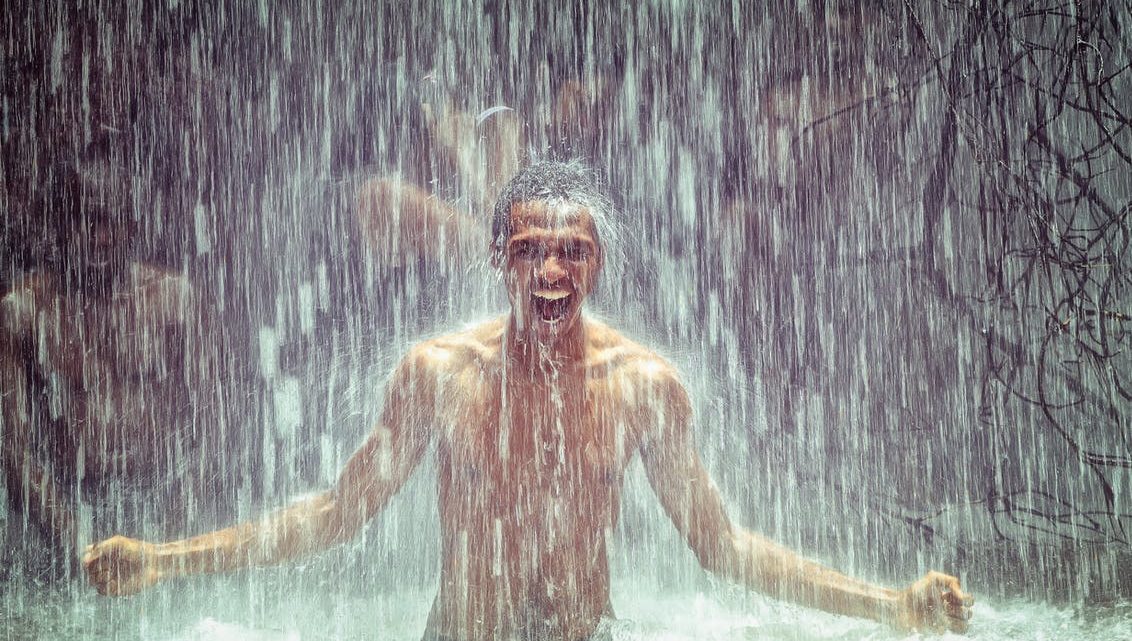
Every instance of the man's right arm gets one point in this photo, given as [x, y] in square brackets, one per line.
[935, 602]
[372, 476]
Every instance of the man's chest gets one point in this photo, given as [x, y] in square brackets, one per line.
[513, 443]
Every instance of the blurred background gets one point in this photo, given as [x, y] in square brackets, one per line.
[886, 243]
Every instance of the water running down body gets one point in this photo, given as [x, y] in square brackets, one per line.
[536, 417]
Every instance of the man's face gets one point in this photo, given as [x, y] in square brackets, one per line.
[552, 260]
[101, 233]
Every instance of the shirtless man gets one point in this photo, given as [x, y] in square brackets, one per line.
[95, 379]
[536, 417]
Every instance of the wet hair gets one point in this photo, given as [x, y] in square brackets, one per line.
[570, 182]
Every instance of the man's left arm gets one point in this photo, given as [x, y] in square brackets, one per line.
[677, 475]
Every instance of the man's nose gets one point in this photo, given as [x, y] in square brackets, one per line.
[550, 270]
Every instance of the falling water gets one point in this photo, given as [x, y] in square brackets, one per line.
[886, 244]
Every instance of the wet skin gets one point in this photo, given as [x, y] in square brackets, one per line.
[536, 417]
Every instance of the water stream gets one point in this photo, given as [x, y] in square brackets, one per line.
[886, 245]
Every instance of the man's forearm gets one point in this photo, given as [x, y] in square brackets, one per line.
[771, 568]
[302, 528]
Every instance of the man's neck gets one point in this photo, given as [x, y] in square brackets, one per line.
[526, 352]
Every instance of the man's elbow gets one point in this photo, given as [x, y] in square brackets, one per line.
[339, 521]
[720, 556]
[738, 558]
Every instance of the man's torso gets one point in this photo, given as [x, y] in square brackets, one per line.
[531, 465]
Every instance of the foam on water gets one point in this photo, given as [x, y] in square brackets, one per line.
[265, 610]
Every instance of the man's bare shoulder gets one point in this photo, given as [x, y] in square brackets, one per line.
[645, 383]
[479, 345]
[613, 353]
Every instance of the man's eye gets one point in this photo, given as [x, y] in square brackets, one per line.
[575, 253]
[523, 250]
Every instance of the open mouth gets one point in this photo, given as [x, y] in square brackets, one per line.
[551, 305]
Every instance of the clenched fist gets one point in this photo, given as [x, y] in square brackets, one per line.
[935, 603]
[119, 566]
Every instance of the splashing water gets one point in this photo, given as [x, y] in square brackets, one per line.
[887, 248]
